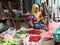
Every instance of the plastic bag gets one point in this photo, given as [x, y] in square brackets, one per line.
[11, 31]
[48, 35]
[7, 36]
[52, 25]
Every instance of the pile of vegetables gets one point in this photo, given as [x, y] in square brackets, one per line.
[38, 32]
[34, 38]
[7, 42]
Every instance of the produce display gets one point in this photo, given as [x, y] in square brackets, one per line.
[34, 38]
[19, 37]
[34, 32]
[27, 36]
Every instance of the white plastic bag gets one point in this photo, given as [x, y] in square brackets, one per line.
[7, 36]
[11, 31]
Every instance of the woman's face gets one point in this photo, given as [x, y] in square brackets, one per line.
[36, 10]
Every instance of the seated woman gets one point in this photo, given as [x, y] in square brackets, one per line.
[36, 18]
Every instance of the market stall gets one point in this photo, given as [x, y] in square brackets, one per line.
[30, 36]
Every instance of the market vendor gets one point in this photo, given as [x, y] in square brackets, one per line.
[36, 18]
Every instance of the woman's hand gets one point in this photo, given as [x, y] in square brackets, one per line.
[44, 22]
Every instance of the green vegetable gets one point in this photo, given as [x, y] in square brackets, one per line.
[5, 44]
[22, 32]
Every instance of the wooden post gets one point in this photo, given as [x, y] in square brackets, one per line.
[19, 6]
[1, 9]
[9, 5]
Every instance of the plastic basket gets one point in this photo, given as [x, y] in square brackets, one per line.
[26, 42]
[57, 34]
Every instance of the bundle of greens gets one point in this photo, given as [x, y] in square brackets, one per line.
[22, 32]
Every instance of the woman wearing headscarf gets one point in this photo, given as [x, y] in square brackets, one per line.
[36, 18]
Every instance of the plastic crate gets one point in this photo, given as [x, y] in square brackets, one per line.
[26, 42]
[57, 34]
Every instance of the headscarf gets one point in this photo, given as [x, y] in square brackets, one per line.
[37, 13]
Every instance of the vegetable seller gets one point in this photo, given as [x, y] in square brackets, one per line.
[36, 18]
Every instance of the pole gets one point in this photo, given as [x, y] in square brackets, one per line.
[57, 11]
[52, 8]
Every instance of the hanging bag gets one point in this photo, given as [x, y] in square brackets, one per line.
[52, 25]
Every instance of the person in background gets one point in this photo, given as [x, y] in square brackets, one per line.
[36, 18]
[44, 10]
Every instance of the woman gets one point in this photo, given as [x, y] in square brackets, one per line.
[36, 18]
